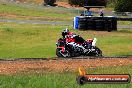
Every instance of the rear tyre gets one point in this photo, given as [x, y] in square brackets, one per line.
[98, 52]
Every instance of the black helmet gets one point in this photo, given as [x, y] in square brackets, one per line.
[65, 32]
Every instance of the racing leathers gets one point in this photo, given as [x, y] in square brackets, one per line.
[75, 41]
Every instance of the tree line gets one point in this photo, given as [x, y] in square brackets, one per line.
[119, 5]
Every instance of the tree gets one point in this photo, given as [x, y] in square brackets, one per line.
[111, 3]
[88, 2]
[123, 6]
[49, 2]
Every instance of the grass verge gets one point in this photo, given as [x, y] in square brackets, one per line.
[27, 11]
[125, 23]
[59, 80]
[34, 40]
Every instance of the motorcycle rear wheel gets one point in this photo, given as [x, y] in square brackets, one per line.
[98, 52]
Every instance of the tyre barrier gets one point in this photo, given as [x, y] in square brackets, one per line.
[97, 23]
[82, 23]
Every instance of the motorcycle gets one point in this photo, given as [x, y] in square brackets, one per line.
[68, 50]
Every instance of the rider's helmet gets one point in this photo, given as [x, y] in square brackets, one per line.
[65, 32]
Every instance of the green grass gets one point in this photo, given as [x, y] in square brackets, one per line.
[125, 22]
[62, 80]
[22, 11]
[30, 40]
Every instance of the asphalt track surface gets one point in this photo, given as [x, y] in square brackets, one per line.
[27, 5]
[65, 23]
[36, 22]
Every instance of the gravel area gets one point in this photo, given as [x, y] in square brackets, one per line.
[41, 66]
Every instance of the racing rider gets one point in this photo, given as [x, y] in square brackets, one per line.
[73, 39]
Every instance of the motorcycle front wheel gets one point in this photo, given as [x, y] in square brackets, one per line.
[60, 53]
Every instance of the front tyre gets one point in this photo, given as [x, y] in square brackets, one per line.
[60, 53]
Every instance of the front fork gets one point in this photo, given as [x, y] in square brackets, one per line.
[62, 48]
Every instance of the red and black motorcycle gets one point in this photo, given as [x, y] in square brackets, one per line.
[65, 49]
